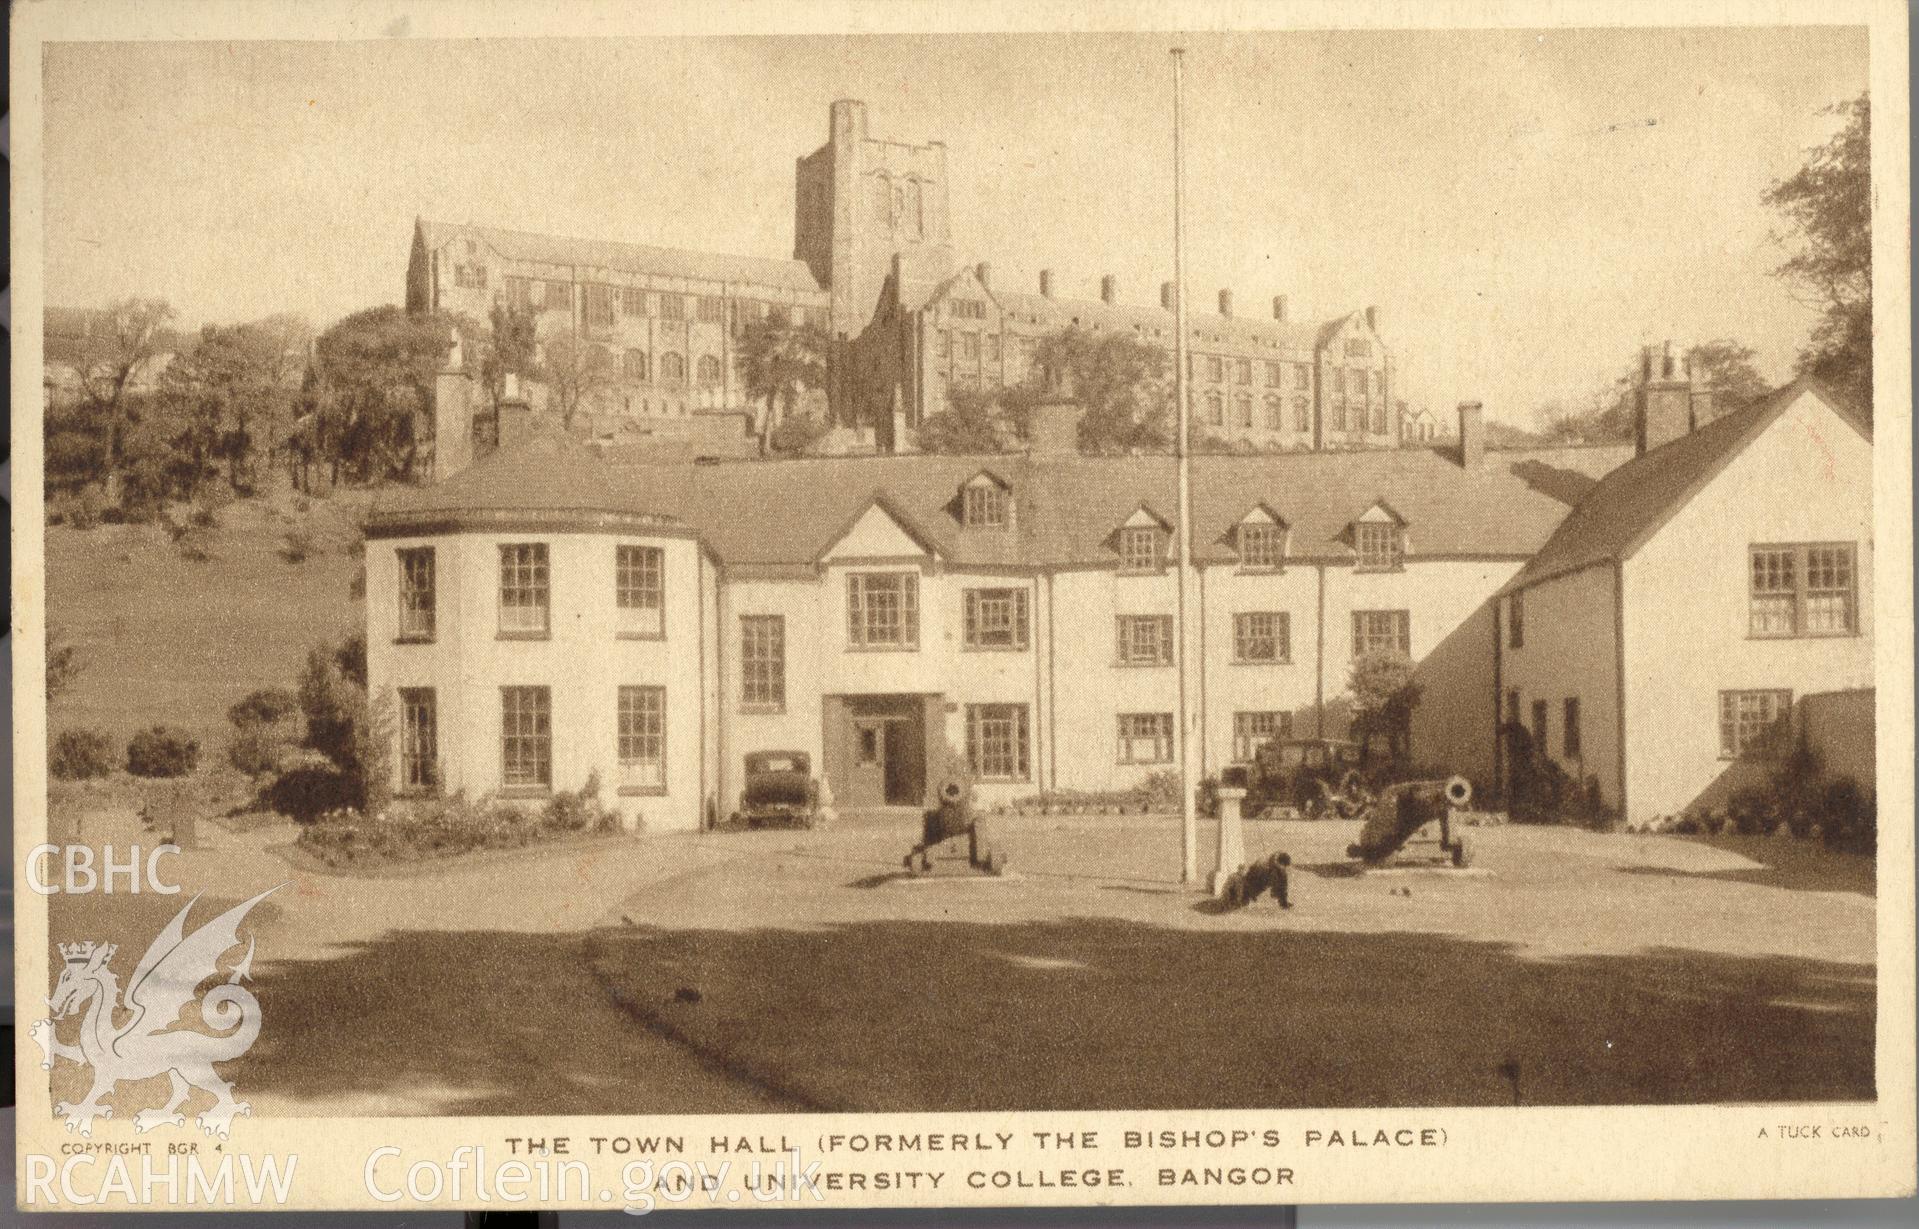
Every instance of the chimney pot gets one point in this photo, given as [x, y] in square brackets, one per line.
[1046, 283]
[984, 272]
[1109, 289]
[1472, 434]
[1225, 302]
[1167, 294]
[1279, 308]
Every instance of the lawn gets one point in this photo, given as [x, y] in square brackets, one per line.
[1567, 968]
[163, 639]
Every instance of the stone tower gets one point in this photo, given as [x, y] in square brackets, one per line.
[859, 203]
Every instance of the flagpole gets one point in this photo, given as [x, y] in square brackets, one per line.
[1184, 742]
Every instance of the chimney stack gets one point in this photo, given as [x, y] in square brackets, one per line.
[1664, 409]
[1225, 302]
[1167, 294]
[984, 272]
[1472, 435]
[516, 413]
[1279, 308]
[1052, 426]
[1109, 289]
[1372, 319]
[1046, 283]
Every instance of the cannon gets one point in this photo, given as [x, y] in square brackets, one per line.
[951, 820]
[1401, 812]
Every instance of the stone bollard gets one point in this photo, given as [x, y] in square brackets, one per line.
[1232, 839]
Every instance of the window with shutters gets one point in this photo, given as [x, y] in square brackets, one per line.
[673, 367]
[525, 595]
[632, 301]
[1275, 412]
[672, 307]
[1753, 724]
[640, 591]
[526, 738]
[763, 663]
[1382, 631]
[1144, 640]
[712, 311]
[558, 296]
[1242, 410]
[997, 742]
[1275, 375]
[1803, 590]
[519, 293]
[417, 597]
[635, 366]
[1215, 369]
[994, 619]
[1262, 637]
[709, 369]
[1145, 738]
[1302, 414]
[882, 610]
[1243, 371]
[642, 740]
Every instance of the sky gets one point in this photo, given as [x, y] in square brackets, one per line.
[1524, 208]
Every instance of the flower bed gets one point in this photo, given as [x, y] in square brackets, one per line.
[448, 827]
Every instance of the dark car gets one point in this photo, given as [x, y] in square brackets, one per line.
[780, 791]
[1316, 777]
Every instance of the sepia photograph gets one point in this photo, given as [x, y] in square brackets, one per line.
[1164, 613]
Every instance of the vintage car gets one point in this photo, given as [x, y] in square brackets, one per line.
[780, 791]
[1311, 777]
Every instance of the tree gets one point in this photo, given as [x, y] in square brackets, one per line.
[574, 371]
[777, 360]
[122, 345]
[975, 421]
[1384, 697]
[508, 349]
[1827, 206]
[375, 374]
[63, 662]
[1124, 386]
[1608, 414]
[226, 398]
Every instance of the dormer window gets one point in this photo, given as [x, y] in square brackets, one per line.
[984, 507]
[1142, 548]
[1380, 546]
[1260, 545]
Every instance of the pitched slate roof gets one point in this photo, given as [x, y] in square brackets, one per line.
[548, 471]
[1628, 505]
[627, 257]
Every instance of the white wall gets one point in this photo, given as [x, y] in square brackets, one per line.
[1571, 649]
[583, 662]
[1807, 479]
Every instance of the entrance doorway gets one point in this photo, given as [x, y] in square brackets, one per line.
[878, 746]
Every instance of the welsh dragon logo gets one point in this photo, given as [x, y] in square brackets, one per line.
[147, 1043]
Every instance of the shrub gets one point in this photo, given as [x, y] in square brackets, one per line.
[195, 544]
[574, 811]
[1849, 819]
[78, 755]
[1753, 810]
[264, 707]
[257, 749]
[308, 792]
[162, 751]
[296, 545]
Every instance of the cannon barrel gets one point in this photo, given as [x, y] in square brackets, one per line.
[954, 814]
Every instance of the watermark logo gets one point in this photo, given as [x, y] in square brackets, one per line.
[165, 982]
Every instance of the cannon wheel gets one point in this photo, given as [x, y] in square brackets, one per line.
[1462, 853]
